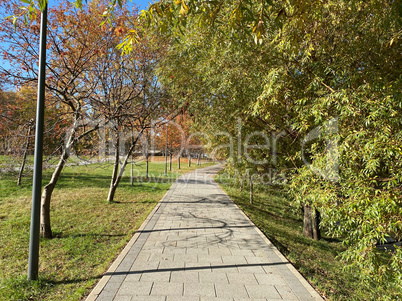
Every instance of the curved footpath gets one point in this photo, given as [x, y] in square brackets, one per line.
[198, 245]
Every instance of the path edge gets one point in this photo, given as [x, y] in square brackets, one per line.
[105, 278]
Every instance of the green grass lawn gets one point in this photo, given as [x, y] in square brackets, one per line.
[89, 232]
[283, 225]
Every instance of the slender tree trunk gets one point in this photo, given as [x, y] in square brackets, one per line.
[198, 159]
[189, 160]
[45, 228]
[24, 159]
[147, 168]
[116, 165]
[311, 222]
[166, 156]
[251, 188]
[170, 162]
[178, 161]
[132, 171]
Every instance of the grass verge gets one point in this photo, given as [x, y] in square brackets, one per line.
[89, 232]
[283, 225]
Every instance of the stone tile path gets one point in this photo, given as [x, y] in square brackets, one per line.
[197, 245]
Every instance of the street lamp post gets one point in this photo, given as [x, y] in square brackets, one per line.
[33, 261]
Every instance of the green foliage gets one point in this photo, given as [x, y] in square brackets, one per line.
[314, 62]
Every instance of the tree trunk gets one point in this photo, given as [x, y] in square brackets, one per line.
[178, 162]
[251, 189]
[24, 159]
[132, 171]
[170, 162]
[45, 228]
[189, 160]
[199, 159]
[311, 223]
[316, 225]
[116, 165]
[147, 168]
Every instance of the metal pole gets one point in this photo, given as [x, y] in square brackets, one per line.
[166, 147]
[33, 261]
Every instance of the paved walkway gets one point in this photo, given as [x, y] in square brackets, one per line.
[197, 245]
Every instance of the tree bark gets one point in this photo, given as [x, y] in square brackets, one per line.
[24, 159]
[251, 189]
[311, 222]
[116, 165]
[132, 171]
[170, 162]
[178, 161]
[147, 168]
[189, 160]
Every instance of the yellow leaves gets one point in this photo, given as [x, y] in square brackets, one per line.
[236, 15]
[129, 41]
[258, 31]
[156, 8]
[184, 8]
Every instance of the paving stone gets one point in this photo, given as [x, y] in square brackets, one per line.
[148, 298]
[135, 289]
[133, 277]
[186, 298]
[241, 278]
[216, 299]
[210, 258]
[230, 290]
[186, 257]
[238, 259]
[252, 269]
[286, 292]
[270, 279]
[155, 277]
[171, 265]
[123, 298]
[145, 266]
[167, 289]
[199, 289]
[208, 277]
[262, 291]
[183, 277]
